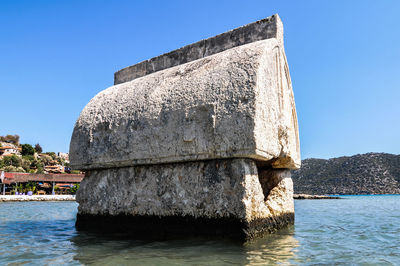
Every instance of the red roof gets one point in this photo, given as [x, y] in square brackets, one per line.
[7, 147]
[26, 177]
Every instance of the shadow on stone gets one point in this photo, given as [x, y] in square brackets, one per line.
[179, 227]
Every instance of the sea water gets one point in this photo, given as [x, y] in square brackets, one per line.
[356, 230]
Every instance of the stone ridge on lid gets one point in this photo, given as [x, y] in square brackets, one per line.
[267, 28]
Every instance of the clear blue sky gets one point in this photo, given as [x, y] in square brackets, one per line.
[344, 59]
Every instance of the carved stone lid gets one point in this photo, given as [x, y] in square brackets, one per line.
[267, 28]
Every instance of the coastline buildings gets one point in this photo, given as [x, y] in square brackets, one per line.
[64, 156]
[9, 150]
[48, 162]
[24, 168]
[44, 183]
[56, 169]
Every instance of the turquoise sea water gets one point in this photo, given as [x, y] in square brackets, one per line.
[357, 230]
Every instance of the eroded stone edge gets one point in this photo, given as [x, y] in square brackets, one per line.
[270, 27]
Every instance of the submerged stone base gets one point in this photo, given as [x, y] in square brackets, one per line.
[231, 198]
[170, 227]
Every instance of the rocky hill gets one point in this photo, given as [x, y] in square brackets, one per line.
[370, 173]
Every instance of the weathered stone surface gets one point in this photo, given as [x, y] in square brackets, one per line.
[207, 190]
[234, 104]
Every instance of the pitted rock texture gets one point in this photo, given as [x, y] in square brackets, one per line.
[229, 189]
[214, 188]
[237, 103]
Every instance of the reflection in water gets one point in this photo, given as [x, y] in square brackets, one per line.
[277, 248]
[92, 249]
[272, 249]
[354, 231]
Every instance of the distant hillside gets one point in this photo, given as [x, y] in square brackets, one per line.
[370, 173]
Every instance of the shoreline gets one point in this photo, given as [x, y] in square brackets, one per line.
[18, 198]
[307, 196]
[8, 198]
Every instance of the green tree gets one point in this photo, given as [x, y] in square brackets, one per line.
[28, 157]
[74, 189]
[31, 186]
[46, 159]
[27, 149]
[36, 164]
[52, 154]
[60, 161]
[11, 168]
[40, 170]
[20, 169]
[26, 164]
[12, 160]
[13, 139]
[38, 148]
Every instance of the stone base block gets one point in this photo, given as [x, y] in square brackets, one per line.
[226, 198]
[172, 227]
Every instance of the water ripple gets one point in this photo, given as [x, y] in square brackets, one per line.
[355, 231]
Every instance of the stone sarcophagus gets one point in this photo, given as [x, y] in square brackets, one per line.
[198, 141]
